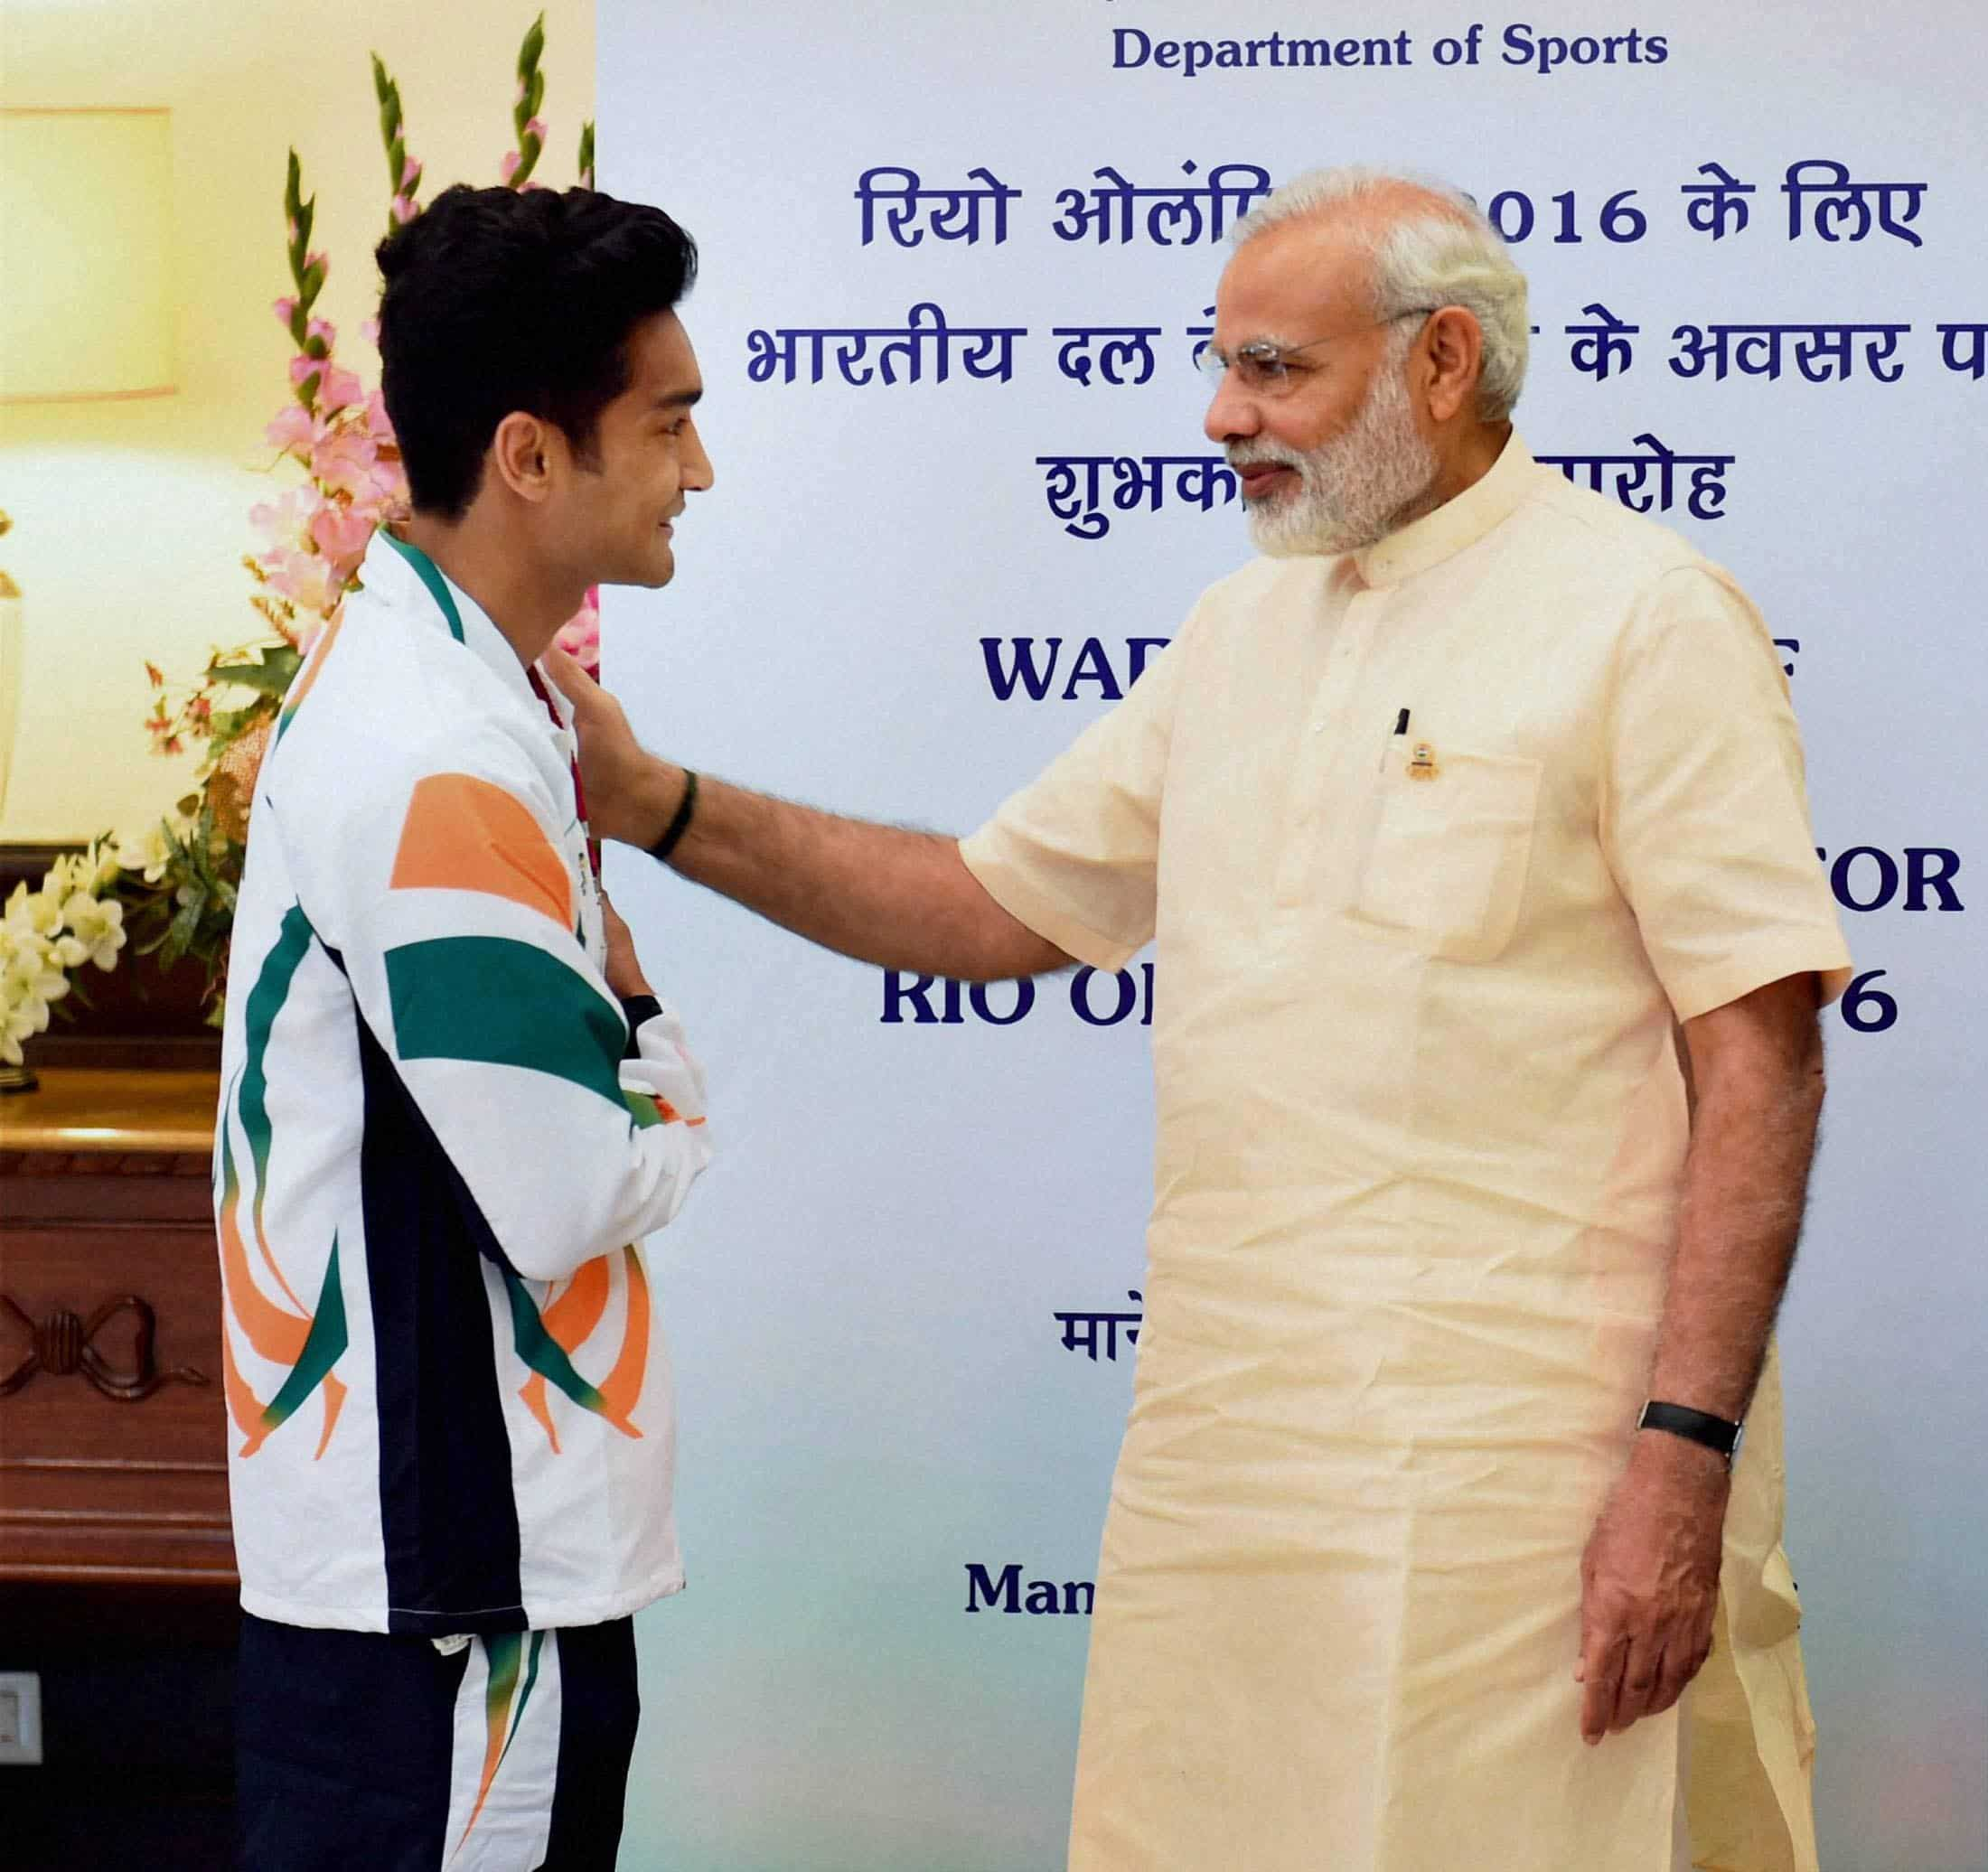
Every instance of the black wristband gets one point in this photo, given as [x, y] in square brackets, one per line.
[1716, 1432]
[638, 1008]
[659, 851]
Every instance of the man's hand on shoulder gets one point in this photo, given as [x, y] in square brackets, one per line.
[630, 794]
[1649, 1582]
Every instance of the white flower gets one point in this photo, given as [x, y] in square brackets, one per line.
[45, 934]
[101, 862]
[31, 978]
[150, 851]
[99, 928]
[35, 913]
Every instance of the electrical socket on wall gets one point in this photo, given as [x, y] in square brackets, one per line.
[20, 1718]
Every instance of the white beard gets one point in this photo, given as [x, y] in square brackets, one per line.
[1354, 488]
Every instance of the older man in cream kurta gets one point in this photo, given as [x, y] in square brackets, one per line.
[1443, 825]
[1420, 1130]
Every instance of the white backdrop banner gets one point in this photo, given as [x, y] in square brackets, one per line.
[957, 263]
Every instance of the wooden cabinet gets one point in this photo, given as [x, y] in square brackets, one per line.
[113, 1430]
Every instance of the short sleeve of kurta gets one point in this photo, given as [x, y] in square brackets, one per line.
[1075, 855]
[1704, 810]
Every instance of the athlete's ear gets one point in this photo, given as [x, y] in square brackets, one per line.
[524, 454]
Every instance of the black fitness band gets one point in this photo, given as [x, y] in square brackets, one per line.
[659, 851]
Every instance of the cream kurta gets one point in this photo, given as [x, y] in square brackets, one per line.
[1421, 1135]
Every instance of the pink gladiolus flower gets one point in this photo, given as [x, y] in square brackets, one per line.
[378, 424]
[341, 535]
[286, 523]
[369, 331]
[344, 462]
[338, 388]
[509, 166]
[318, 586]
[317, 260]
[293, 430]
[305, 578]
[325, 329]
[302, 367]
[404, 209]
[348, 464]
[276, 573]
[285, 309]
[411, 175]
[536, 128]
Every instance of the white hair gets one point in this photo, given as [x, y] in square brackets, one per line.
[1445, 253]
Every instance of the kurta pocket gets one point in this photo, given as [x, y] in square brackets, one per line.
[1452, 838]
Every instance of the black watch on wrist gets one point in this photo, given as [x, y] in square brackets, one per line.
[1716, 1432]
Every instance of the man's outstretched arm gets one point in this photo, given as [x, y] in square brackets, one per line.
[896, 898]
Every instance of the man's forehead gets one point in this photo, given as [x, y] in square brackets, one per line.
[661, 362]
[1285, 281]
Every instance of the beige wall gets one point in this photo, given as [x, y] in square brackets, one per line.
[131, 518]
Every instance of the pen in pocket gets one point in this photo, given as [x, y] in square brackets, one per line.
[1400, 728]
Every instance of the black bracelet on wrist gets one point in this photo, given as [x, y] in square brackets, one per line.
[1715, 1433]
[659, 851]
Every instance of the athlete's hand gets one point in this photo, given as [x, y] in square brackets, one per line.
[624, 969]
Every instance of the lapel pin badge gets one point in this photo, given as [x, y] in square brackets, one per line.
[1421, 763]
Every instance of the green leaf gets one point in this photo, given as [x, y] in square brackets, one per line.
[533, 48]
[271, 677]
[179, 937]
[586, 153]
[226, 727]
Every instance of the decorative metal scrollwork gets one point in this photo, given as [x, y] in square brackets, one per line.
[61, 1345]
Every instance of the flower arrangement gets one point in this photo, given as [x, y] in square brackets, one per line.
[72, 918]
[183, 873]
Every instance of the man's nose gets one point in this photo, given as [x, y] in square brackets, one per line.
[697, 466]
[1232, 412]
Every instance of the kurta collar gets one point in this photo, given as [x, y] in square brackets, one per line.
[406, 579]
[1459, 522]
